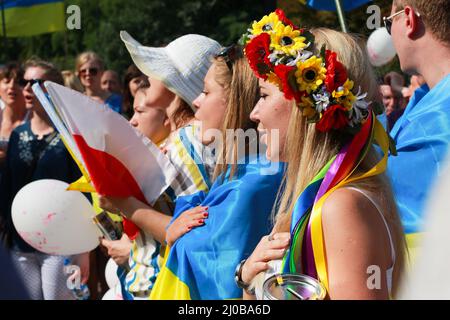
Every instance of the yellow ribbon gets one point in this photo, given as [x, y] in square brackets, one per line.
[381, 137]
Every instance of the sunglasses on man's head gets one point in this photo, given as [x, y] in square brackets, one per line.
[92, 71]
[23, 83]
[230, 55]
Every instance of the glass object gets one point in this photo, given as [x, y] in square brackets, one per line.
[293, 287]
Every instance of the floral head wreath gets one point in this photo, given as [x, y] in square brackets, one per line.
[281, 53]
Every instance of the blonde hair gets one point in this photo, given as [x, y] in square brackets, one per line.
[309, 149]
[241, 89]
[72, 81]
[84, 57]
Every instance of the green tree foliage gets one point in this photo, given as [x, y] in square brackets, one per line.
[157, 22]
[305, 16]
[151, 22]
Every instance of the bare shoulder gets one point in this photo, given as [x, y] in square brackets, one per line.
[354, 238]
[349, 210]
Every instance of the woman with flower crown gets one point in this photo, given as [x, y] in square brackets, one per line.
[336, 219]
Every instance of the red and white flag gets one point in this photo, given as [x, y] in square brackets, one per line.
[120, 161]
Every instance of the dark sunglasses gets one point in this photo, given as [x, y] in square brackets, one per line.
[93, 71]
[24, 83]
[230, 55]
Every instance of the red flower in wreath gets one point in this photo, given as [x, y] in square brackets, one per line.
[285, 20]
[257, 52]
[289, 85]
[335, 117]
[336, 73]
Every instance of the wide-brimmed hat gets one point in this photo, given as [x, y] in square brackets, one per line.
[181, 65]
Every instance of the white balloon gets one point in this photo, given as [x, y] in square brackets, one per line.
[54, 220]
[111, 273]
[380, 47]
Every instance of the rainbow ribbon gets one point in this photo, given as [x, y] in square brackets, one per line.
[306, 253]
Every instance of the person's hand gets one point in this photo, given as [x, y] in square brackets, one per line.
[406, 92]
[107, 204]
[82, 261]
[396, 81]
[185, 222]
[271, 247]
[118, 250]
[164, 149]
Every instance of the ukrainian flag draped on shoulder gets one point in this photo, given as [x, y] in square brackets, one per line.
[25, 18]
[201, 264]
[422, 137]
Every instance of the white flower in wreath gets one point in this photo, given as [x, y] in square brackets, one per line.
[359, 109]
[322, 101]
[301, 56]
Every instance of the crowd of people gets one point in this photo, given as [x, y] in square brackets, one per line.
[339, 199]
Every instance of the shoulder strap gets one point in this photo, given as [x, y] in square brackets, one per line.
[382, 217]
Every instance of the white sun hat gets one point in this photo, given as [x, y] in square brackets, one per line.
[181, 65]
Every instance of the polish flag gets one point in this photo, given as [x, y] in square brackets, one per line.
[120, 161]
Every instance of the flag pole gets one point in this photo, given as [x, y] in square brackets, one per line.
[341, 17]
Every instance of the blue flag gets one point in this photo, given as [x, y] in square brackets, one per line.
[330, 5]
[422, 136]
[201, 264]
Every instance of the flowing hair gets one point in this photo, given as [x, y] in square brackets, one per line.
[242, 91]
[309, 149]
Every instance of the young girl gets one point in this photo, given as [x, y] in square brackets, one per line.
[153, 123]
[169, 93]
[132, 79]
[336, 217]
[212, 231]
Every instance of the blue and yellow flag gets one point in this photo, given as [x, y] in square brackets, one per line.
[422, 137]
[201, 264]
[25, 18]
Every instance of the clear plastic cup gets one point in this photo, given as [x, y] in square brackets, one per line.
[293, 287]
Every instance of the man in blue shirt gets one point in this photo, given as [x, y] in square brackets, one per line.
[421, 34]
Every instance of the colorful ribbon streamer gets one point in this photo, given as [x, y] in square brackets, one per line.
[307, 245]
